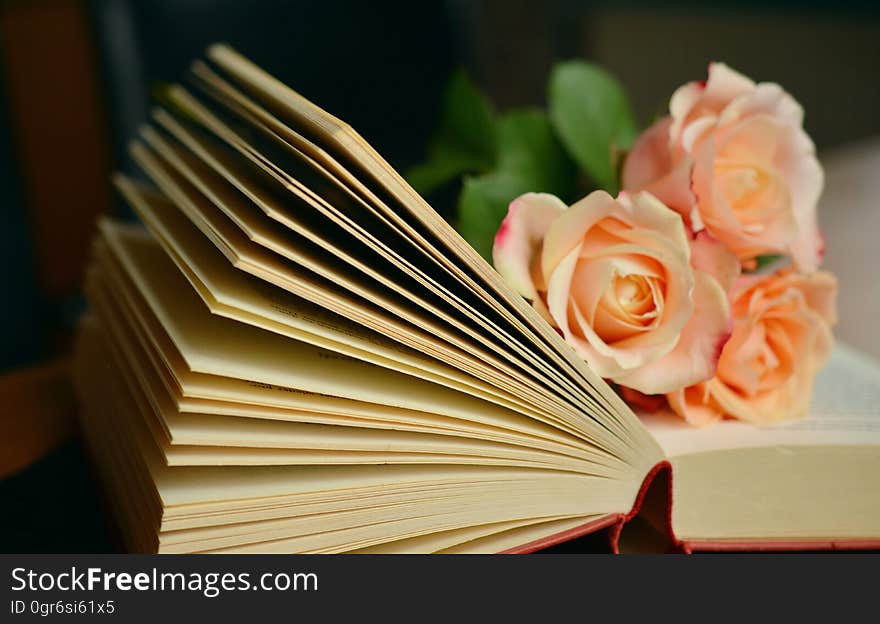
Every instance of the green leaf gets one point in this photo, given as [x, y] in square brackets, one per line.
[593, 118]
[465, 139]
[482, 207]
[530, 159]
[431, 175]
[528, 149]
[768, 263]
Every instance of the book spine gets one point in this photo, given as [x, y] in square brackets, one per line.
[653, 505]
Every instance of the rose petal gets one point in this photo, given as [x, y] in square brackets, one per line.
[695, 131]
[650, 213]
[558, 289]
[694, 405]
[775, 224]
[805, 177]
[609, 361]
[559, 304]
[780, 341]
[743, 347]
[519, 239]
[696, 354]
[650, 167]
[650, 158]
[577, 328]
[614, 324]
[766, 98]
[673, 256]
[820, 290]
[682, 102]
[710, 255]
[589, 283]
[678, 307]
[790, 402]
[722, 86]
[567, 232]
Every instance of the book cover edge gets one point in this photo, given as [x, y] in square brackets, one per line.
[657, 486]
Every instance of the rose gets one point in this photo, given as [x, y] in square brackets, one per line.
[615, 277]
[781, 338]
[732, 156]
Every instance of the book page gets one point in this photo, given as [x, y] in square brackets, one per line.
[197, 439]
[392, 287]
[414, 216]
[369, 311]
[237, 295]
[200, 439]
[171, 388]
[352, 212]
[484, 538]
[338, 136]
[198, 393]
[212, 345]
[845, 411]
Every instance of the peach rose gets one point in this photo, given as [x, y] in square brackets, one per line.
[733, 157]
[781, 338]
[615, 277]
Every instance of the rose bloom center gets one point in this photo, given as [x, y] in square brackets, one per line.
[634, 295]
[754, 191]
[631, 304]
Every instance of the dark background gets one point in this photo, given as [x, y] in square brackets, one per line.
[76, 77]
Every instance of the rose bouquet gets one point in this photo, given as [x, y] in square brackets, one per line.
[682, 263]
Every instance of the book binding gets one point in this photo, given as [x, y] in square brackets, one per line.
[653, 503]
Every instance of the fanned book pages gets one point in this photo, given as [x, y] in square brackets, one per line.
[295, 353]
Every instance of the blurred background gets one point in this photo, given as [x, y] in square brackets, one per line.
[75, 83]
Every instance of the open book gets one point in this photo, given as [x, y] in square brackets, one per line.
[297, 354]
